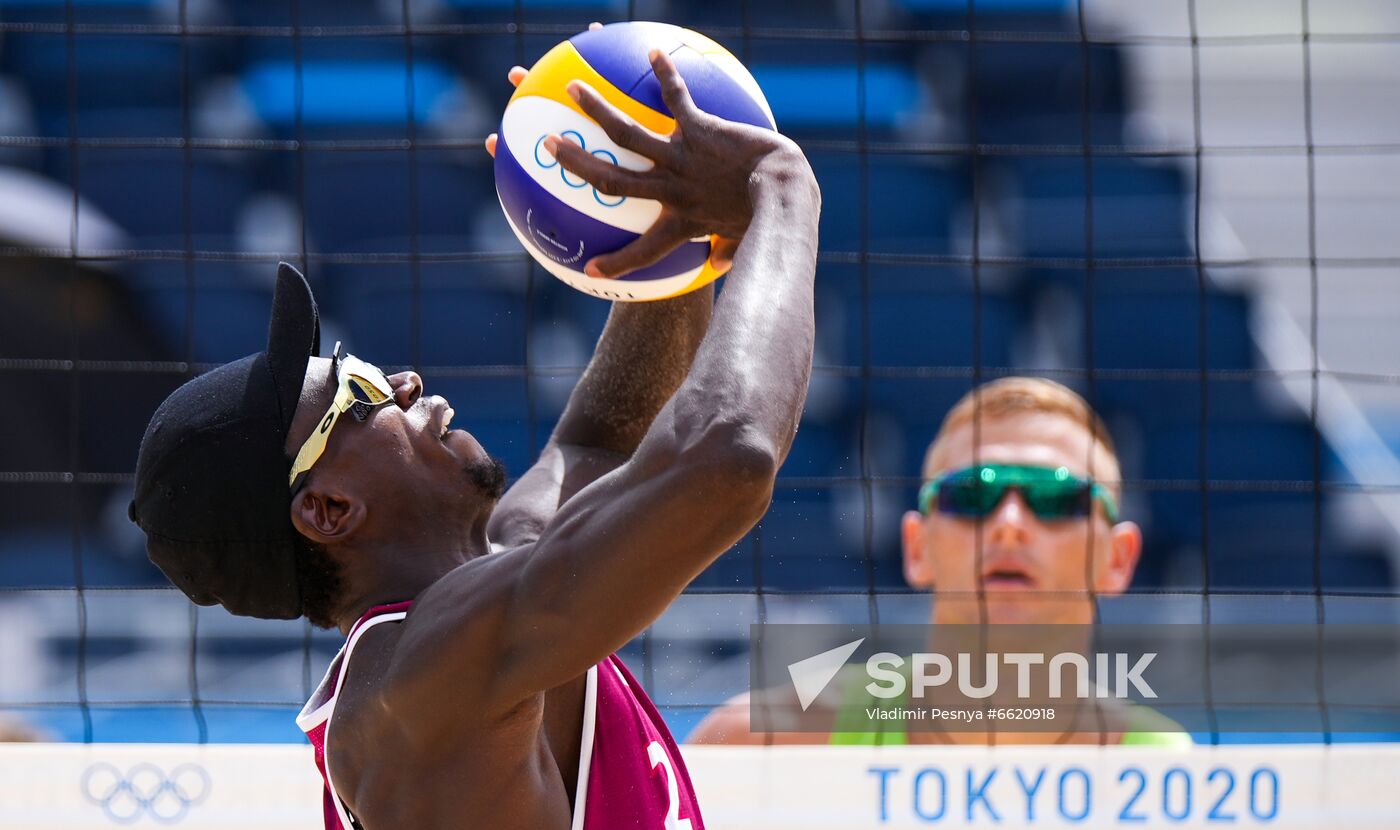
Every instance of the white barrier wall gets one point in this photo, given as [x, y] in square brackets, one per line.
[52, 786]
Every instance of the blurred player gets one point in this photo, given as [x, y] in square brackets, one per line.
[1018, 524]
[478, 685]
[14, 730]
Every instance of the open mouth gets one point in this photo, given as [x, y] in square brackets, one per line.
[444, 419]
[1006, 578]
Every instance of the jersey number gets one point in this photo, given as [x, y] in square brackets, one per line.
[658, 756]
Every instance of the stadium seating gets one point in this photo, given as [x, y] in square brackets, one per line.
[124, 86]
[911, 209]
[1130, 208]
[366, 201]
[204, 311]
[834, 100]
[158, 195]
[452, 315]
[1173, 340]
[344, 97]
[897, 327]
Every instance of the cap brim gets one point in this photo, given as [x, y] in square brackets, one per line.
[293, 336]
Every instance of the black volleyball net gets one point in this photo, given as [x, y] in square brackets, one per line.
[1181, 211]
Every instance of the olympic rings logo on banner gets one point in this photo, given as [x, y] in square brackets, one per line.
[568, 177]
[145, 790]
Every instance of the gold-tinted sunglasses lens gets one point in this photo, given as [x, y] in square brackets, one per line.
[368, 391]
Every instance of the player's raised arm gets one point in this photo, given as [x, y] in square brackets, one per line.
[617, 553]
[642, 356]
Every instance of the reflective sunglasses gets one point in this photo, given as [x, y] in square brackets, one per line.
[1052, 493]
[360, 387]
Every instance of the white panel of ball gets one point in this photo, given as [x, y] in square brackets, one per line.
[528, 120]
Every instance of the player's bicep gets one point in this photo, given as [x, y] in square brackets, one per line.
[615, 556]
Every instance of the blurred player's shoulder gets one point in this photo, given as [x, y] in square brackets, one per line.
[731, 725]
[734, 722]
[1149, 727]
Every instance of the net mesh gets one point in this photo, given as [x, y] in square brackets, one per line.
[1148, 202]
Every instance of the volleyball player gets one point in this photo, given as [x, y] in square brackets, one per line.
[478, 685]
[1017, 523]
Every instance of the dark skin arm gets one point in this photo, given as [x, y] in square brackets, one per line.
[642, 356]
[617, 553]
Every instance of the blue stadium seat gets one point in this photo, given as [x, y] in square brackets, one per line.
[17, 119]
[705, 15]
[1139, 209]
[1272, 551]
[1162, 331]
[462, 316]
[213, 312]
[920, 317]
[112, 72]
[996, 9]
[144, 192]
[1245, 451]
[362, 201]
[542, 11]
[110, 122]
[44, 559]
[1033, 93]
[823, 100]
[1363, 571]
[909, 203]
[1026, 91]
[346, 97]
[89, 11]
[1156, 402]
[538, 25]
[311, 13]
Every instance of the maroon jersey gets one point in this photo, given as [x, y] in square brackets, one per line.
[630, 772]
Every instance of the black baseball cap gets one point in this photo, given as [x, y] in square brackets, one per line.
[211, 476]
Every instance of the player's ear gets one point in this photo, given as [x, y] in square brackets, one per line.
[1124, 548]
[326, 516]
[918, 565]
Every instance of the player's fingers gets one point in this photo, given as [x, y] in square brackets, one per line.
[516, 75]
[602, 172]
[673, 88]
[722, 252]
[594, 26]
[660, 239]
[491, 144]
[627, 133]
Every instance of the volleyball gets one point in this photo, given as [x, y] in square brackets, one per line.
[562, 220]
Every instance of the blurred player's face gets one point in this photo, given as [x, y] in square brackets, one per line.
[401, 477]
[1012, 566]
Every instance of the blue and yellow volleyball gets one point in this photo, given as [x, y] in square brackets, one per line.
[562, 220]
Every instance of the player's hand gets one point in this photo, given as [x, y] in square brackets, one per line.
[702, 172]
[516, 76]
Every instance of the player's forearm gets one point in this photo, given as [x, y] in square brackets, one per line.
[752, 369]
[641, 358]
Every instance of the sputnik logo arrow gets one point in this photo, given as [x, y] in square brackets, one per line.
[812, 675]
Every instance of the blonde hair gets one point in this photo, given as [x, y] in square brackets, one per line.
[1021, 395]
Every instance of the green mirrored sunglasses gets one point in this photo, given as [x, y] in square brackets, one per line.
[1052, 493]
